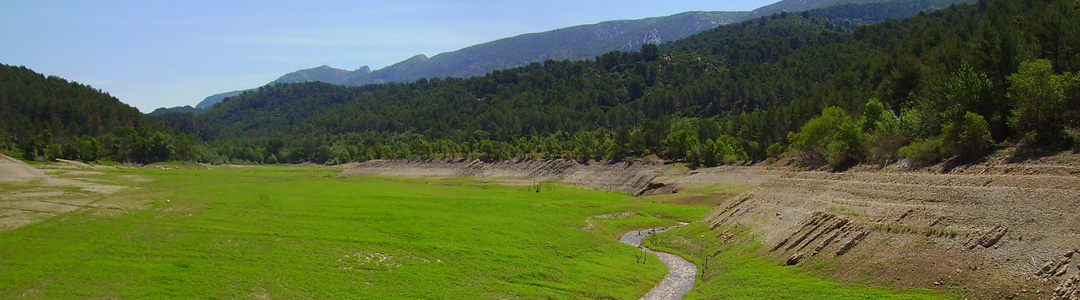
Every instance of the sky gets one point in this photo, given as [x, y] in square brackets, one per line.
[152, 54]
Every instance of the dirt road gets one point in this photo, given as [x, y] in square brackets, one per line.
[681, 273]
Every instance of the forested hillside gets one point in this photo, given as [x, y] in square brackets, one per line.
[49, 117]
[507, 113]
[741, 91]
[881, 11]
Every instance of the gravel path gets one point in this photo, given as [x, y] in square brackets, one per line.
[681, 273]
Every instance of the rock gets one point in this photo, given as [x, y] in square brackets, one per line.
[655, 188]
[993, 236]
[988, 238]
[1068, 289]
[793, 259]
[1045, 268]
[851, 244]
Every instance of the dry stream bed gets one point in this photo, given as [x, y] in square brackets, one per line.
[681, 273]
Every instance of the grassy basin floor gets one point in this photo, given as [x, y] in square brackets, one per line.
[287, 232]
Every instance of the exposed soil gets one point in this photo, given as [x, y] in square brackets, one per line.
[630, 177]
[999, 230]
[33, 195]
[15, 170]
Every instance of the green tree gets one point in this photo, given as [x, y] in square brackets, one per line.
[886, 138]
[650, 52]
[620, 143]
[54, 151]
[873, 112]
[968, 137]
[831, 138]
[1038, 99]
[682, 143]
[972, 91]
[846, 145]
[488, 150]
[156, 147]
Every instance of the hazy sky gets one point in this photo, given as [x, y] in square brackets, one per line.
[152, 54]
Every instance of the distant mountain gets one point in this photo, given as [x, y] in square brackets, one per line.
[213, 99]
[173, 110]
[801, 5]
[573, 43]
[322, 73]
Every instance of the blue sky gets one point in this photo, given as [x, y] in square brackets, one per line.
[152, 54]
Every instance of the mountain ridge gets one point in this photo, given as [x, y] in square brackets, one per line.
[482, 58]
[475, 60]
[803, 5]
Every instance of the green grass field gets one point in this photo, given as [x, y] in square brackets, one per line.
[297, 232]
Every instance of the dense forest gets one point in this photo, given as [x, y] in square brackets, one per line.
[952, 83]
[49, 117]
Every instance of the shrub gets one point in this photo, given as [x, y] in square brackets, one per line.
[831, 138]
[887, 138]
[969, 136]
[775, 150]
[923, 153]
[844, 149]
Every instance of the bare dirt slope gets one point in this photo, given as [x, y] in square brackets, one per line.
[15, 170]
[29, 195]
[998, 230]
[612, 176]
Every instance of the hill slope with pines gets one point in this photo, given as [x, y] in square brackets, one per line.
[737, 91]
[50, 117]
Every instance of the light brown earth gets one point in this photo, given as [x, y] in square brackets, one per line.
[998, 229]
[611, 176]
[29, 195]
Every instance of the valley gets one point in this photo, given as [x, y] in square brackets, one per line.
[807, 149]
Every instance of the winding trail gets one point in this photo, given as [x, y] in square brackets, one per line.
[681, 273]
